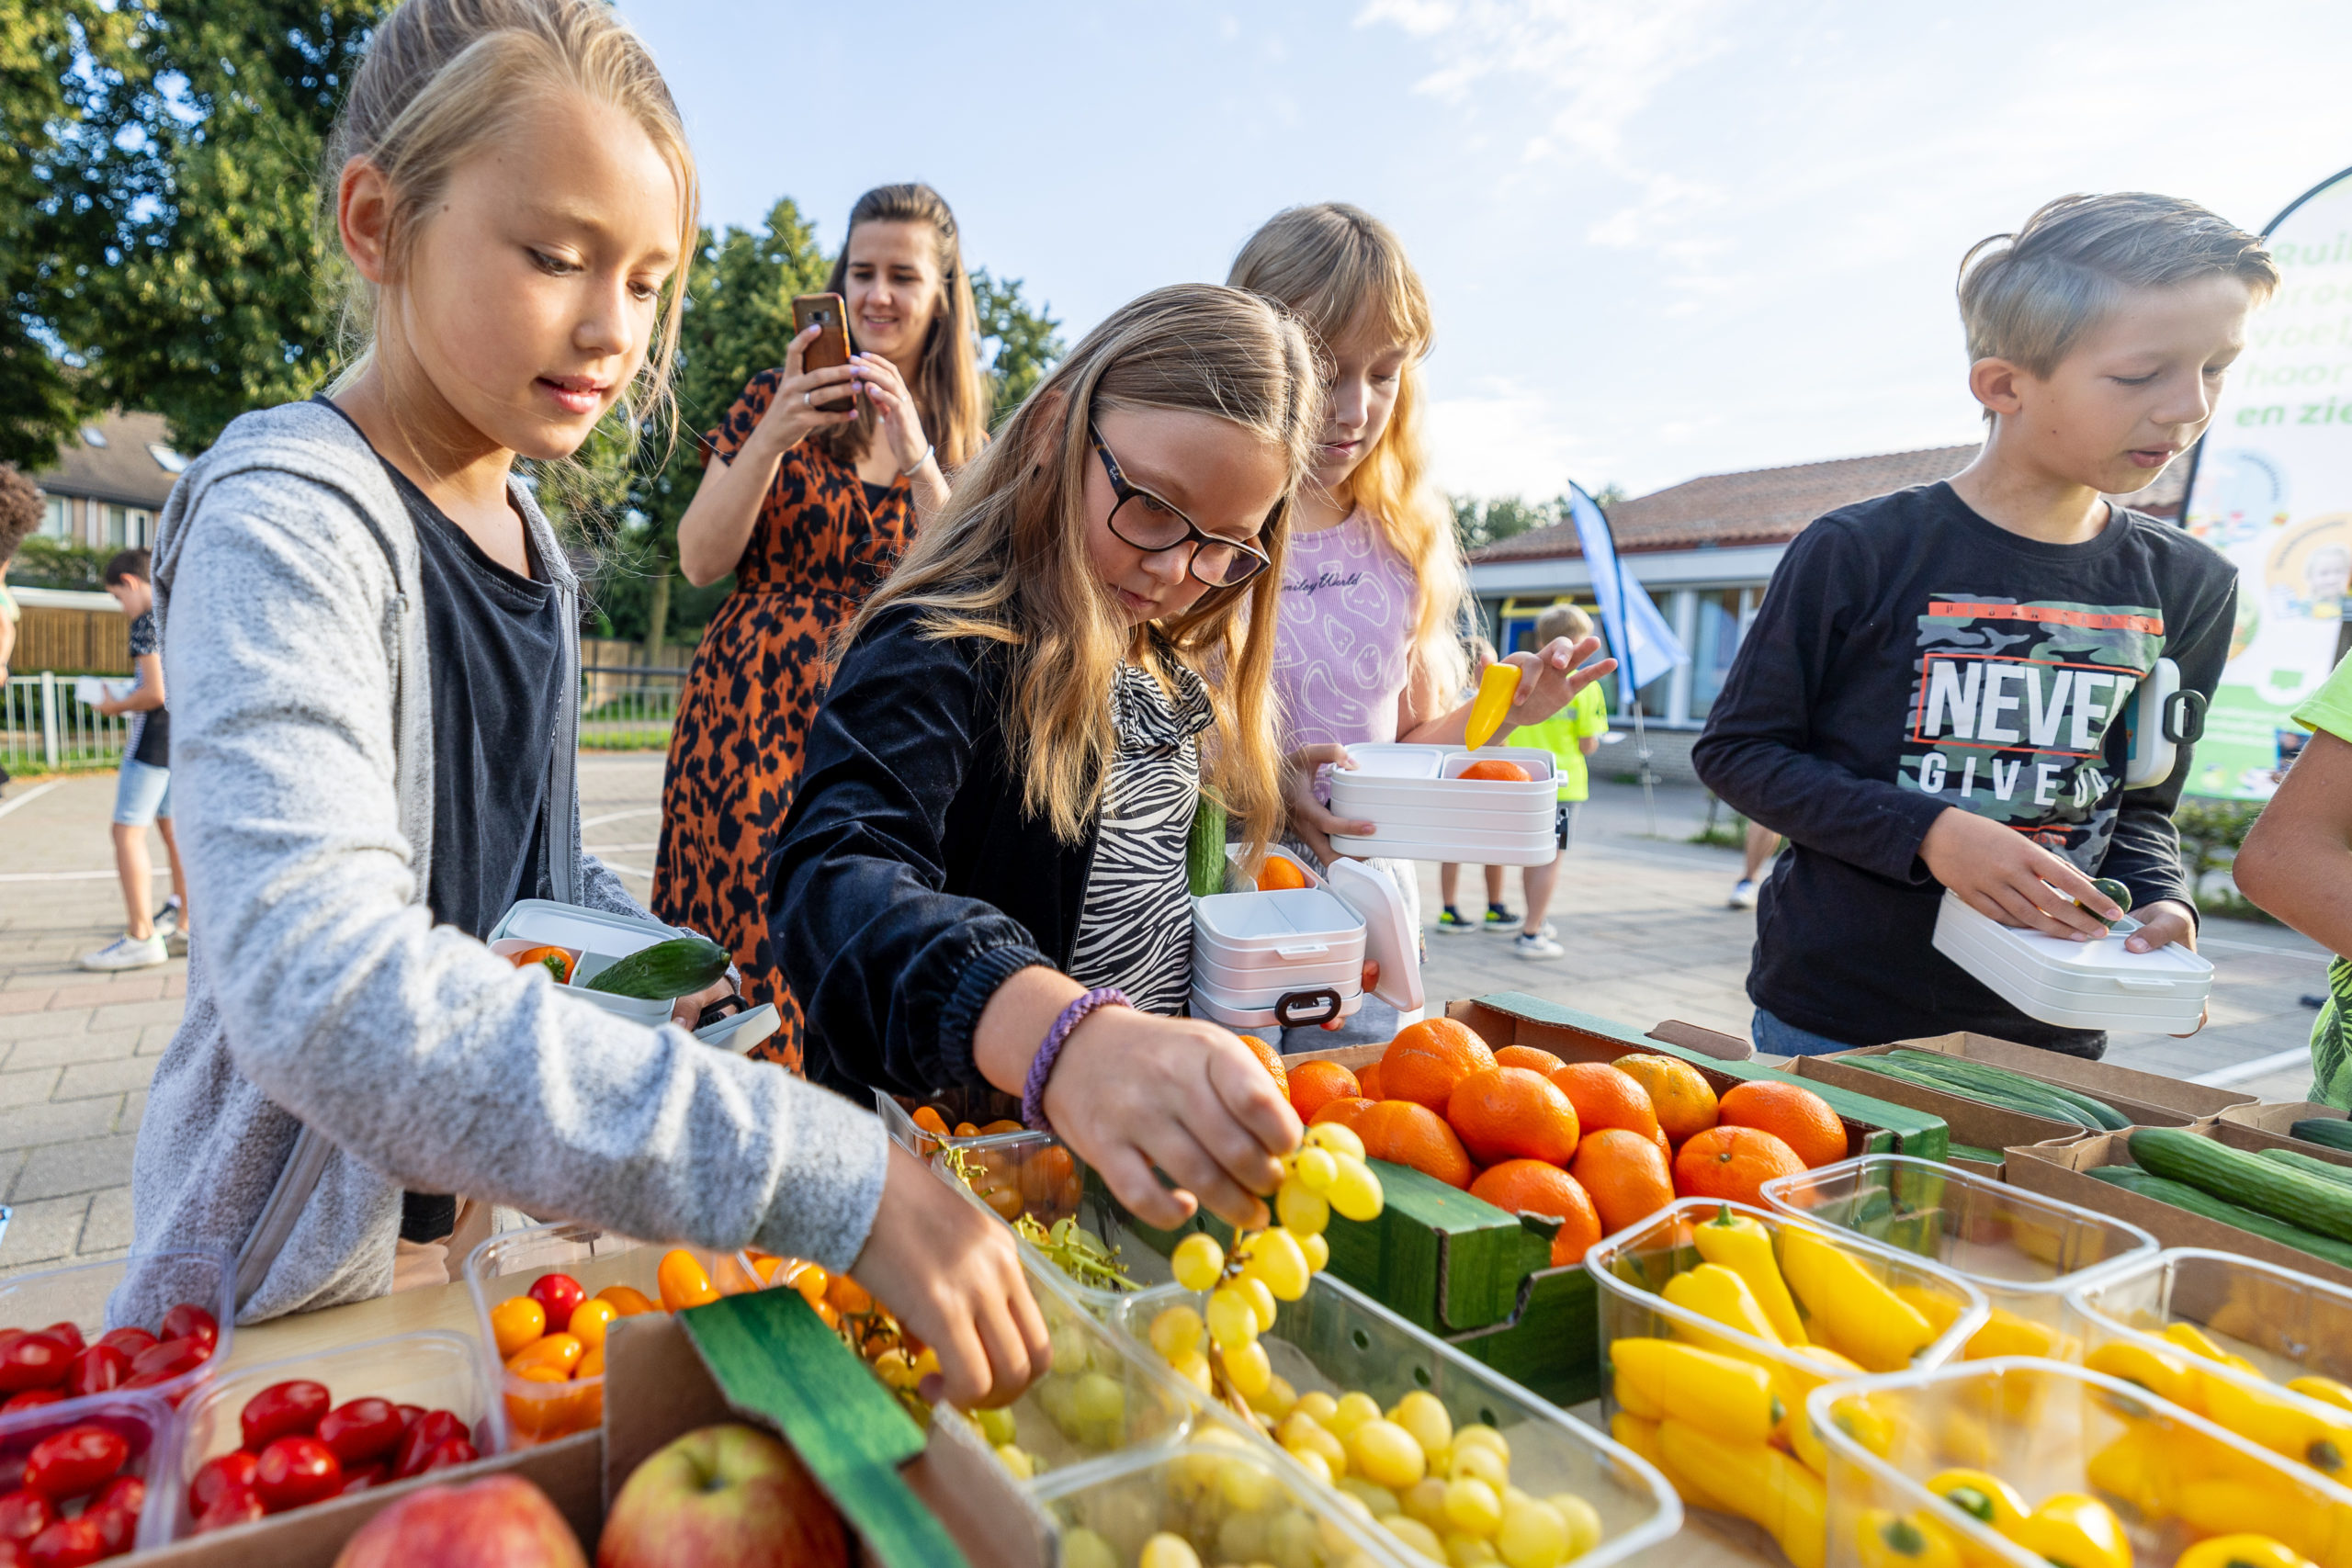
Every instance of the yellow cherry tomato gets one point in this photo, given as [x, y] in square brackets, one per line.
[591, 1321]
[683, 1281]
[560, 1351]
[591, 1365]
[627, 1300]
[515, 1322]
[811, 1282]
[848, 1296]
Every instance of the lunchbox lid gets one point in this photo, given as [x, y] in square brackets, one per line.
[2104, 967]
[601, 933]
[1390, 937]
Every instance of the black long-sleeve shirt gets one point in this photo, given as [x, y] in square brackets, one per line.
[1909, 657]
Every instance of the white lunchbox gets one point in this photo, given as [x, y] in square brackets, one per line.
[2077, 985]
[596, 941]
[1295, 957]
[1423, 808]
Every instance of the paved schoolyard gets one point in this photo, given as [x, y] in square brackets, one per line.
[1643, 919]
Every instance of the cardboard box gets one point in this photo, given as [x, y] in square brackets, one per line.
[2151, 1100]
[2057, 1169]
[2276, 1119]
[1971, 1122]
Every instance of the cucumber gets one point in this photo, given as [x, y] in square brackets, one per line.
[2048, 1109]
[2115, 890]
[1961, 1070]
[2239, 1178]
[2341, 1174]
[2330, 1131]
[2181, 1195]
[1970, 1151]
[678, 967]
[1205, 862]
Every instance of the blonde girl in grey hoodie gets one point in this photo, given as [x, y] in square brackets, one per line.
[373, 632]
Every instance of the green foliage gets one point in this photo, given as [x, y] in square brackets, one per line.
[1026, 344]
[53, 563]
[1478, 524]
[2210, 831]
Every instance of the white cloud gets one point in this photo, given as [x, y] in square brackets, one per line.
[1506, 441]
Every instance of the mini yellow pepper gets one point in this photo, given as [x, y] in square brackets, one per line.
[1742, 1245]
[1756, 1481]
[2327, 1391]
[1889, 1540]
[2074, 1530]
[1497, 687]
[1856, 1314]
[2241, 1551]
[2193, 1339]
[2165, 1376]
[1732, 1399]
[1723, 1295]
[2280, 1422]
[1981, 1495]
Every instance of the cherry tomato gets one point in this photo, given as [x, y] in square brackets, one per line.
[76, 1460]
[31, 1399]
[129, 1341]
[68, 1333]
[189, 1321]
[561, 1351]
[283, 1409]
[515, 1322]
[409, 1413]
[237, 1506]
[98, 1368]
[445, 1456]
[591, 1321]
[430, 1431]
[171, 1358]
[683, 1281]
[24, 1514]
[34, 1360]
[296, 1471]
[218, 1476]
[361, 1430]
[627, 1300]
[558, 1293]
[68, 1543]
[116, 1509]
[122, 1491]
[358, 1478]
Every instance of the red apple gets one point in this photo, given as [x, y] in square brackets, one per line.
[728, 1496]
[502, 1522]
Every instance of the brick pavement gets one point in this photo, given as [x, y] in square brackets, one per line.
[1643, 920]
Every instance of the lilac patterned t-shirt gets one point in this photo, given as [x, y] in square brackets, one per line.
[1340, 649]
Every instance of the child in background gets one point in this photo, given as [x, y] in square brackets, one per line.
[982, 880]
[19, 515]
[143, 795]
[1497, 919]
[1570, 736]
[371, 632]
[1930, 696]
[2297, 863]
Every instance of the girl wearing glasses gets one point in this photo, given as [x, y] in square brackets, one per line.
[981, 882]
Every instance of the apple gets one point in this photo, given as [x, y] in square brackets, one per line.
[726, 1497]
[500, 1522]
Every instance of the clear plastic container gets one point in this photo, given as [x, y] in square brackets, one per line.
[1340, 1340]
[129, 1292]
[507, 1265]
[2289, 1325]
[1231, 1500]
[2024, 1251]
[433, 1368]
[1013, 1173]
[2049, 1428]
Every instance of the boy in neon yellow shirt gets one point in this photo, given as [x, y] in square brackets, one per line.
[2297, 863]
[1571, 735]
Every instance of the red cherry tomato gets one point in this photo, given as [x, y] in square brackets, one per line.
[68, 1333]
[116, 1509]
[24, 1514]
[283, 1409]
[15, 1554]
[77, 1461]
[362, 1430]
[189, 1321]
[35, 1361]
[237, 1506]
[123, 1492]
[31, 1399]
[129, 1341]
[409, 1413]
[171, 1358]
[455, 1451]
[296, 1471]
[358, 1478]
[559, 1293]
[218, 1476]
[432, 1429]
[98, 1368]
[68, 1543]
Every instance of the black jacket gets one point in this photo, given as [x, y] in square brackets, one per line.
[910, 883]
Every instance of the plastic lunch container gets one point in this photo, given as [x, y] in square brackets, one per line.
[1296, 956]
[2025, 1252]
[144, 1421]
[129, 1292]
[2077, 985]
[2049, 1428]
[1340, 1340]
[2288, 1325]
[433, 1368]
[1425, 810]
[506, 1265]
[1012, 1173]
[597, 940]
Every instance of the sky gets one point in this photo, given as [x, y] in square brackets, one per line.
[1662, 237]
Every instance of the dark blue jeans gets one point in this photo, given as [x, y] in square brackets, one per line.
[1775, 1038]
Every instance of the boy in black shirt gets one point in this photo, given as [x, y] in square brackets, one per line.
[1930, 696]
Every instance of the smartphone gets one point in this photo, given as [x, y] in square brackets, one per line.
[831, 316]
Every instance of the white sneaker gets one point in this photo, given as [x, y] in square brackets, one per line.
[127, 951]
[168, 926]
[1534, 945]
[1742, 895]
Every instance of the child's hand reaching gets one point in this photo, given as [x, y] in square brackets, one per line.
[950, 1274]
[2000, 872]
[1309, 818]
[1549, 677]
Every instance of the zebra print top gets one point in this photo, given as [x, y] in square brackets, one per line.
[1136, 929]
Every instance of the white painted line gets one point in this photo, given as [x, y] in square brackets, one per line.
[73, 875]
[2277, 1061]
[28, 796]
[2258, 947]
[617, 815]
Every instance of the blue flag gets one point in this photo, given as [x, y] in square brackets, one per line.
[1646, 646]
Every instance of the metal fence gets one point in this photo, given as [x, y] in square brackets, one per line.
[43, 723]
[627, 705]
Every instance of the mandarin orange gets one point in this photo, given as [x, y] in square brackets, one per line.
[1314, 1085]
[1345, 1110]
[1684, 1100]
[1605, 1098]
[1532, 1186]
[1626, 1176]
[1512, 1114]
[1790, 1112]
[1403, 1132]
[1528, 1056]
[1427, 1059]
[1368, 1080]
[1271, 1059]
[1734, 1163]
[1494, 768]
[1278, 874]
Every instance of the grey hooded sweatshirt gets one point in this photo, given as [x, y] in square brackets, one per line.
[338, 1047]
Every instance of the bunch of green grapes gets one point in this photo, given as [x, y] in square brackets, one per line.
[1215, 1503]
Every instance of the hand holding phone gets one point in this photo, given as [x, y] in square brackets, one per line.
[830, 350]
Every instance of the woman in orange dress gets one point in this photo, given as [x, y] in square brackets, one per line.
[809, 510]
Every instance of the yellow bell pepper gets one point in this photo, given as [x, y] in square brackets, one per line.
[1733, 1400]
[2327, 1391]
[1742, 1245]
[1497, 687]
[2139, 1467]
[1721, 1295]
[1981, 1495]
[2280, 1422]
[2165, 1376]
[2074, 1530]
[1857, 1316]
[2006, 1334]
[1889, 1540]
[1868, 1424]
[2241, 1551]
[2193, 1339]
[1759, 1484]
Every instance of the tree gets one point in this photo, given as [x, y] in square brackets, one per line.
[1025, 339]
[1478, 524]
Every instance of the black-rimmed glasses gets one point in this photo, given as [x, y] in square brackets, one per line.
[1151, 525]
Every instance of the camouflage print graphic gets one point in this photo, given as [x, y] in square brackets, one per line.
[2016, 713]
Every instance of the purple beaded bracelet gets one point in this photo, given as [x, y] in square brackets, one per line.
[1033, 1092]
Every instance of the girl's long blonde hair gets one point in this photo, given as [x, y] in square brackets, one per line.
[442, 79]
[1006, 561]
[1343, 271]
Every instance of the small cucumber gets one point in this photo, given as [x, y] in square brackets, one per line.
[2181, 1195]
[2115, 890]
[2329, 1132]
[1971, 1152]
[2340, 1175]
[678, 967]
[2238, 1177]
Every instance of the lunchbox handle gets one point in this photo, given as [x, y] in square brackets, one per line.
[1299, 1009]
[1302, 949]
[2135, 982]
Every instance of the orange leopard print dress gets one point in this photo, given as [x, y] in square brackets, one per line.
[818, 550]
